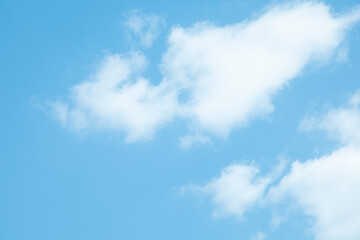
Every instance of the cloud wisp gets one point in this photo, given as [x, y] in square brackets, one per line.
[145, 28]
[215, 79]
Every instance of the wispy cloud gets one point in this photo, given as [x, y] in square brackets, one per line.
[145, 27]
[190, 140]
[259, 236]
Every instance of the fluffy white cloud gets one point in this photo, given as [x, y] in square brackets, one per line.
[229, 74]
[327, 188]
[237, 189]
[115, 97]
[215, 78]
[145, 27]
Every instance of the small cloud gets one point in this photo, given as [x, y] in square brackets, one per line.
[144, 27]
[188, 141]
[117, 98]
[276, 220]
[341, 124]
[238, 188]
[190, 188]
[259, 236]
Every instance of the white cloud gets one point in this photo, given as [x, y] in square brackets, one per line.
[325, 188]
[215, 78]
[342, 124]
[229, 74]
[145, 27]
[237, 189]
[115, 97]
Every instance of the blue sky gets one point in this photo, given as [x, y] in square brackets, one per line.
[180, 120]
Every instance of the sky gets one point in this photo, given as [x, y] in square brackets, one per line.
[180, 120]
